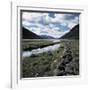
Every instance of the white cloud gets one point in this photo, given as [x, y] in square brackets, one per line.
[30, 16]
[26, 23]
[73, 22]
[64, 24]
[36, 17]
[47, 26]
[71, 25]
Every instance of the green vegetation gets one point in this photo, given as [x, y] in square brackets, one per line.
[30, 44]
[69, 62]
[44, 64]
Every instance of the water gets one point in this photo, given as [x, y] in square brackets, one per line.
[40, 50]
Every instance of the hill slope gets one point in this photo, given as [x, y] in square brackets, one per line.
[73, 34]
[26, 34]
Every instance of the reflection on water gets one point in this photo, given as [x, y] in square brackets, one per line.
[40, 50]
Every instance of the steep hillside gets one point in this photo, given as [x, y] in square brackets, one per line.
[73, 34]
[26, 34]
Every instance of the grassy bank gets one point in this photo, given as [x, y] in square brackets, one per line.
[44, 64]
[36, 43]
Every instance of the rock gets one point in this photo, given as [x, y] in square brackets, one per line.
[58, 72]
[67, 58]
[72, 68]
[64, 67]
[67, 52]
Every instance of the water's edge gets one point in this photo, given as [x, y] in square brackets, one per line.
[40, 50]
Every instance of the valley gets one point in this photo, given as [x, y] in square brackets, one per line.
[44, 58]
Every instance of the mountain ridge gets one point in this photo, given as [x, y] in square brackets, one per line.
[46, 37]
[72, 34]
[26, 34]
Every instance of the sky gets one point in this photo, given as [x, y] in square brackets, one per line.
[51, 24]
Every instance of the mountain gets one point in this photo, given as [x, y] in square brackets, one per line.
[73, 34]
[26, 34]
[46, 37]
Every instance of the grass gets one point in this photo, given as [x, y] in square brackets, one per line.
[30, 44]
[44, 64]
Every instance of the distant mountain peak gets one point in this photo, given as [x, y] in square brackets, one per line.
[46, 37]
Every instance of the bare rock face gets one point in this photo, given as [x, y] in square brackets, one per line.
[67, 65]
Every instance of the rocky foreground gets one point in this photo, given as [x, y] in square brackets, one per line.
[67, 65]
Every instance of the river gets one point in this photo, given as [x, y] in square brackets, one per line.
[40, 50]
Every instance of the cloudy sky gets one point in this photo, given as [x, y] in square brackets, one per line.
[52, 24]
